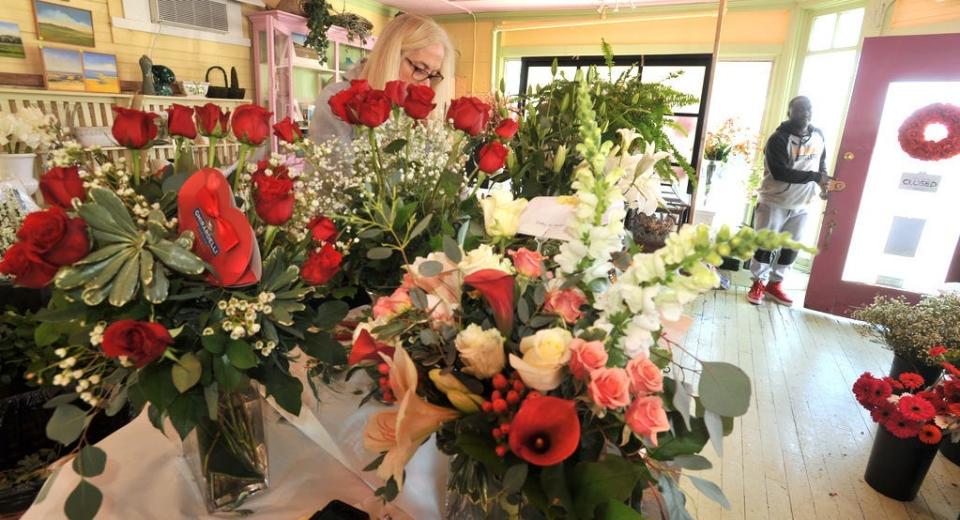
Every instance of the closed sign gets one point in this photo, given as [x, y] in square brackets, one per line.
[919, 182]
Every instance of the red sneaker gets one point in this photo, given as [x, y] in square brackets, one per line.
[776, 292]
[755, 295]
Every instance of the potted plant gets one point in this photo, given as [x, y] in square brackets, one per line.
[320, 18]
[22, 135]
[913, 420]
[910, 329]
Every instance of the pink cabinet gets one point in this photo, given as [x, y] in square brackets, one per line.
[288, 76]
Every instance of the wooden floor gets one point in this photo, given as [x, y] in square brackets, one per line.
[801, 450]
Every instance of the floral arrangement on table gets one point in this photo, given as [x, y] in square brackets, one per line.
[545, 148]
[909, 410]
[909, 329]
[173, 289]
[397, 187]
[539, 363]
[727, 140]
[28, 130]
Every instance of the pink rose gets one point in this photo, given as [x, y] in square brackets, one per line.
[566, 303]
[527, 263]
[586, 356]
[645, 376]
[440, 311]
[387, 306]
[610, 387]
[448, 285]
[646, 417]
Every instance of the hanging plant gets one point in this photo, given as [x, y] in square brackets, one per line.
[320, 18]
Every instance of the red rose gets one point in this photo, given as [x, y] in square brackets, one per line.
[469, 114]
[251, 124]
[211, 121]
[322, 229]
[419, 101]
[545, 431]
[396, 90]
[339, 101]
[321, 265]
[287, 130]
[492, 156]
[372, 108]
[140, 341]
[26, 266]
[366, 348]
[57, 238]
[134, 129]
[497, 289]
[180, 121]
[61, 185]
[507, 129]
[273, 199]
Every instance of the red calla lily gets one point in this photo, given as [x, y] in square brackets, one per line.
[497, 288]
[545, 430]
[365, 347]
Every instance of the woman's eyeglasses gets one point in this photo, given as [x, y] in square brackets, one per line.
[420, 73]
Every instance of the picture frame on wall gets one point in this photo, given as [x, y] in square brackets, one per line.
[57, 23]
[11, 43]
[100, 73]
[63, 69]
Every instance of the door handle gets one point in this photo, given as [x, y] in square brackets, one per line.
[831, 225]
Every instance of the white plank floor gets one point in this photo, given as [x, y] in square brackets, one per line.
[801, 450]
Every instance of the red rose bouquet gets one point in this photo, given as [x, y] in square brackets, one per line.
[540, 374]
[400, 183]
[172, 295]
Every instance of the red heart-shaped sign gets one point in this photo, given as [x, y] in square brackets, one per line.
[223, 237]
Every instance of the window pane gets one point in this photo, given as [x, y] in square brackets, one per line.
[848, 29]
[739, 93]
[826, 80]
[683, 137]
[511, 77]
[540, 75]
[821, 33]
[690, 81]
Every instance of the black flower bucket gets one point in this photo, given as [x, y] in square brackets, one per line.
[929, 373]
[897, 467]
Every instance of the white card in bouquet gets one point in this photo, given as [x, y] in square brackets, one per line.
[548, 217]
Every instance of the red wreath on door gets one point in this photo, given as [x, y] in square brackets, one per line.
[916, 145]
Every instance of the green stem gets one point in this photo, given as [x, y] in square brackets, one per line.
[268, 241]
[212, 153]
[137, 165]
[241, 166]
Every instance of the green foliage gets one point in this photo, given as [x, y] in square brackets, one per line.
[67, 423]
[548, 124]
[724, 389]
[596, 483]
[90, 461]
[18, 353]
[83, 502]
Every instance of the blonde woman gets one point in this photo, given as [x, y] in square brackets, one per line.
[411, 48]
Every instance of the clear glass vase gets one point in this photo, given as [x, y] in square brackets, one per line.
[228, 457]
[470, 494]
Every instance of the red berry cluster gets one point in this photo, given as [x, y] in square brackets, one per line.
[504, 402]
[385, 391]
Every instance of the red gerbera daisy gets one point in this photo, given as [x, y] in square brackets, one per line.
[916, 408]
[902, 428]
[871, 391]
[937, 351]
[882, 413]
[951, 368]
[895, 385]
[930, 434]
[911, 380]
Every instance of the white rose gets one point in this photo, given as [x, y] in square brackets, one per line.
[501, 214]
[544, 356]
[481, 351]
[484, 257]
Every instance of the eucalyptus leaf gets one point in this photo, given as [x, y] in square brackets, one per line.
[66, 424]
[673, 499]
[595, 483]
[420, 227]
[116, 402]
[90, 461]
[711, 490]
[681, 401]
[57, 400]
[724, 389]
[692, 462]
[379, 253]
[715, 428]
[418, 298]
[452, 249]
[83, 502]
[430, 268]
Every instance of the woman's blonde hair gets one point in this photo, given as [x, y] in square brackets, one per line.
[405, 33]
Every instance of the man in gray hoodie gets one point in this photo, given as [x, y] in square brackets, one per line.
[795, 169]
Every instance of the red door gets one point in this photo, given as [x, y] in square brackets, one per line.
[895, 229]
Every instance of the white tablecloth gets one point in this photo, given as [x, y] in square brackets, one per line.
[147, 478]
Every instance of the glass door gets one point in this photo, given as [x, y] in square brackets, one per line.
[894, 230]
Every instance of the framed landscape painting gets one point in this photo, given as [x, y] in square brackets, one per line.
[63, 69]
[100, 73]
[11, 45]
[62, 24]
